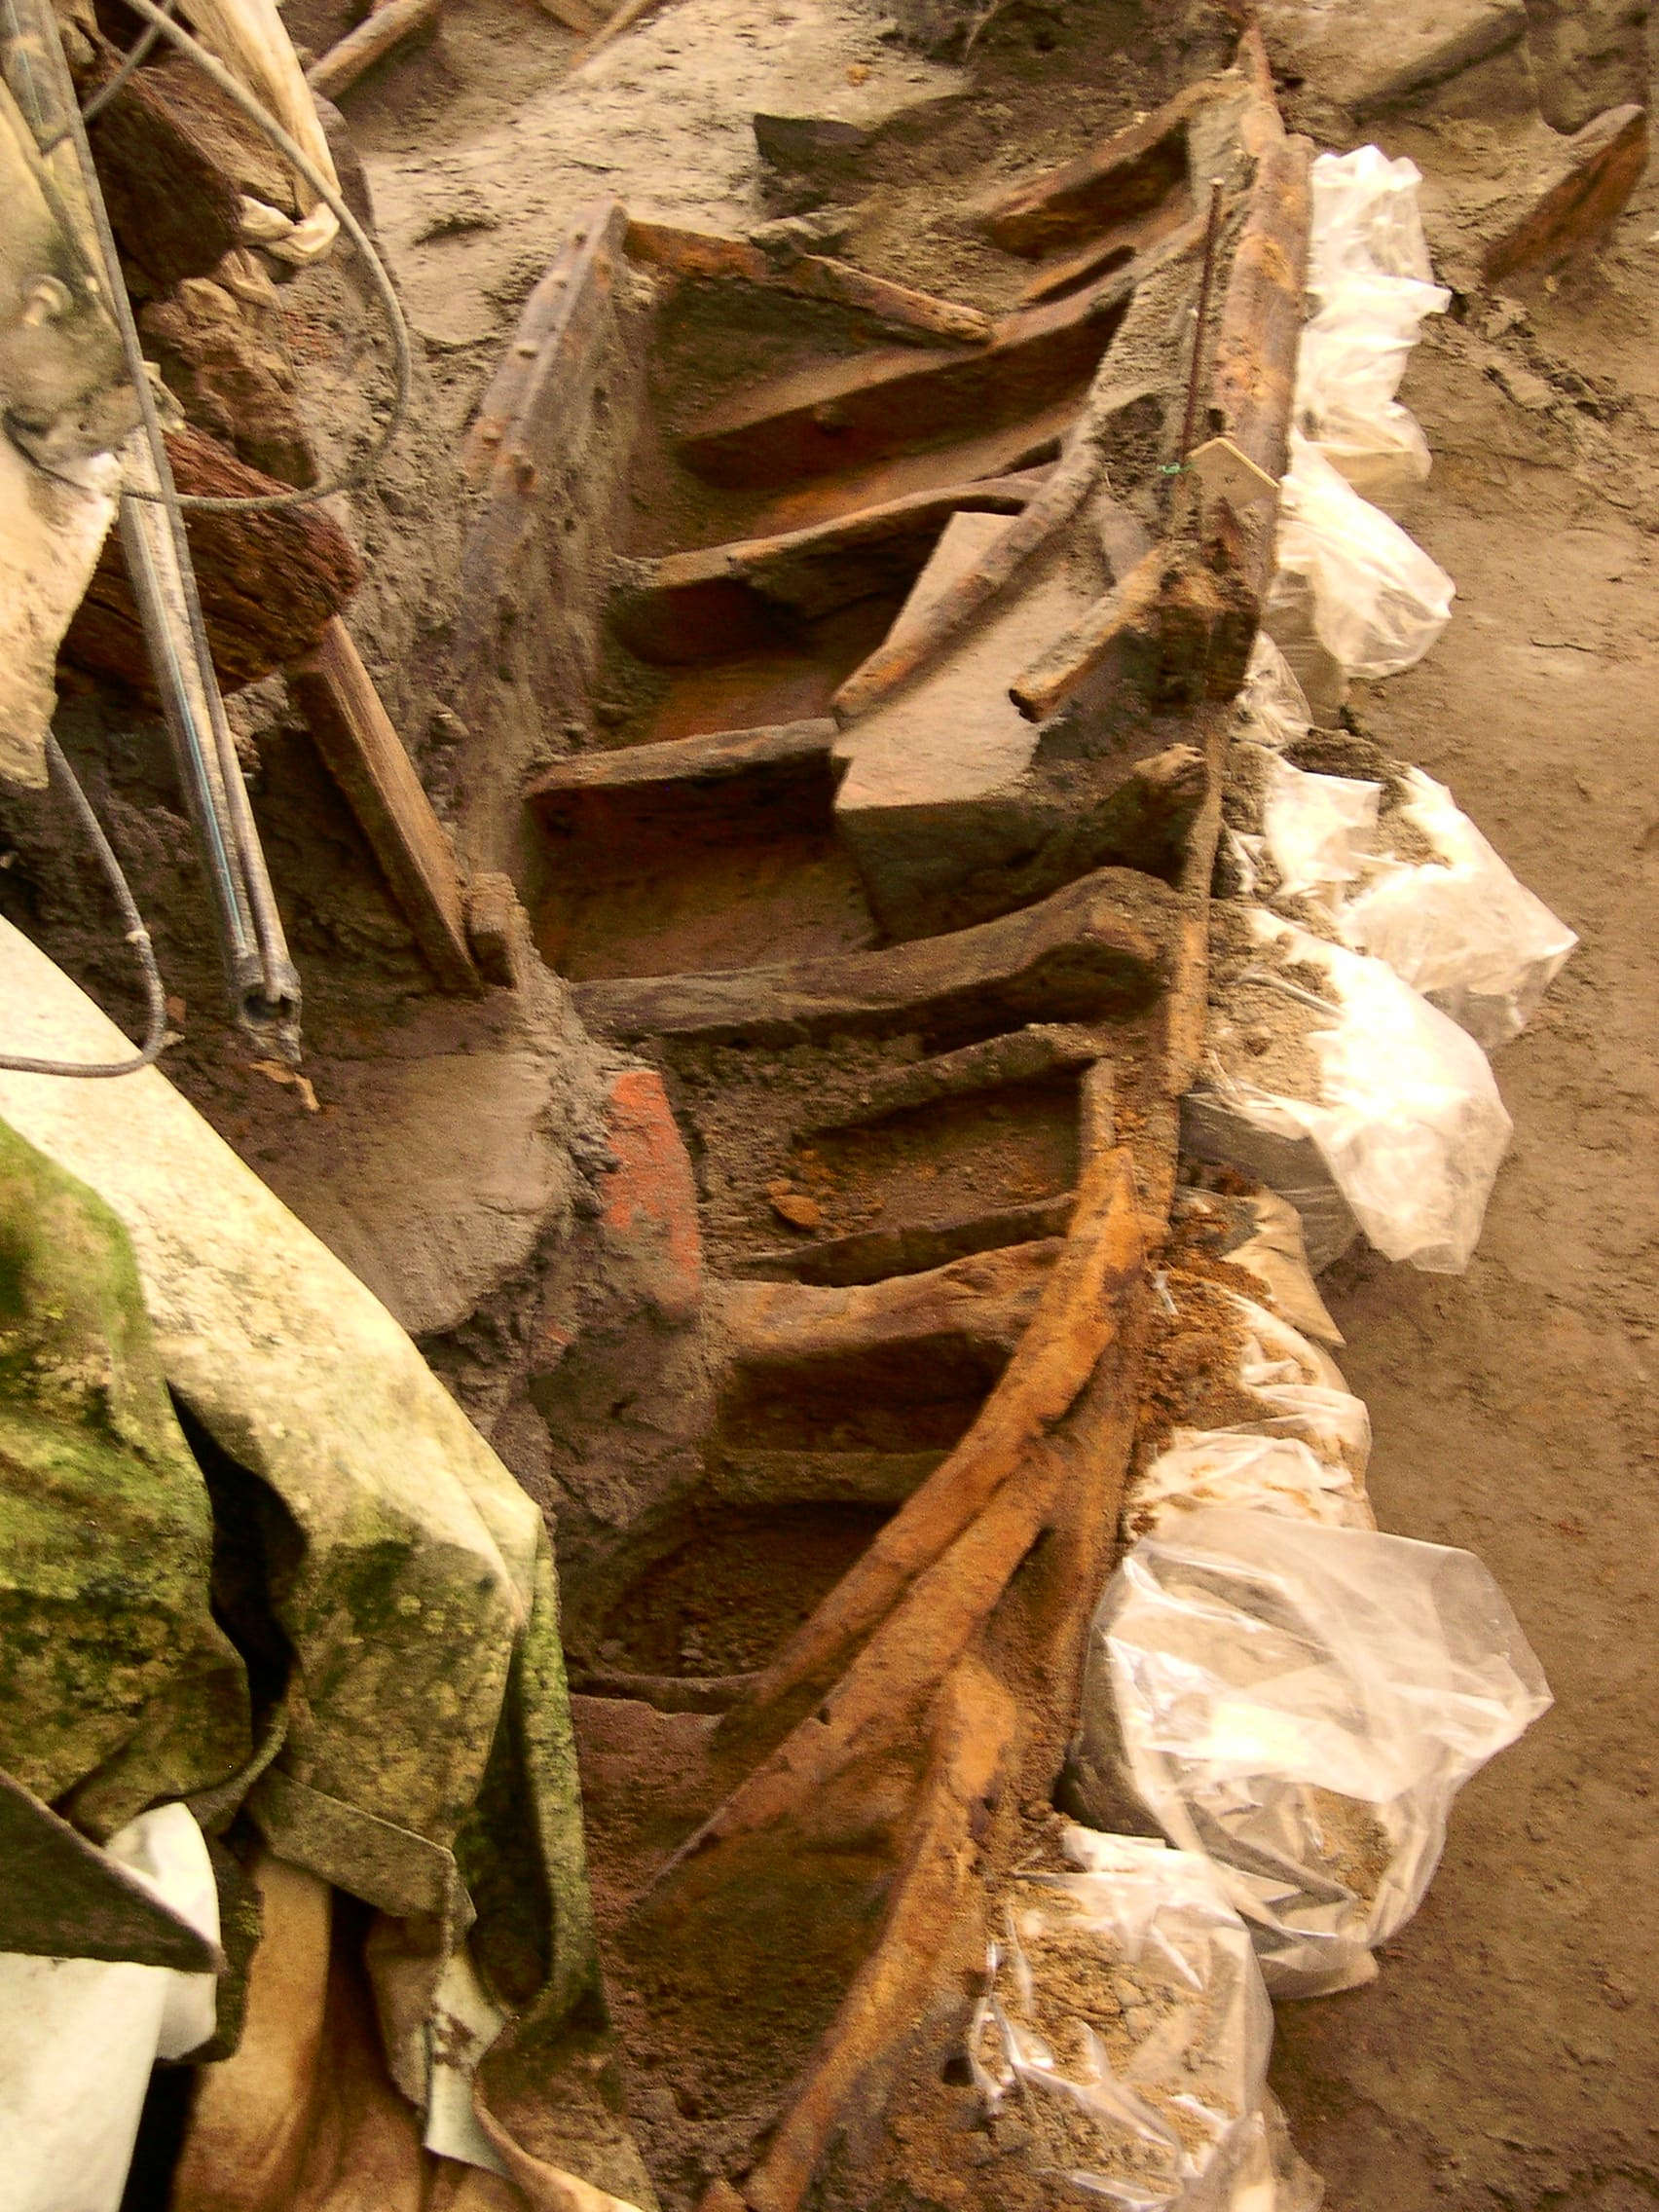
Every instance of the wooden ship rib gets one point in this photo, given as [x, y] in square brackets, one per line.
[887, 842]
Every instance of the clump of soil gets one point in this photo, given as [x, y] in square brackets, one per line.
[1350, 1842]
[1190, 1379]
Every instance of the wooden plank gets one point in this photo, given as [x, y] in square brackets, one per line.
[1129, 609]
[913, 647]
[709, 758]
[835, 415]
[366, 758]
[538, 320]
[388, 25]
[522, 409]
[675, 606]
[1260, 316]
[810, 275]
[870, 1255]
[1127, 176]
[1579, 200]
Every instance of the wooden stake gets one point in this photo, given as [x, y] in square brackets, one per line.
[388, 25]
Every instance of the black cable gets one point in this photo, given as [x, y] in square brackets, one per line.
[137, 935]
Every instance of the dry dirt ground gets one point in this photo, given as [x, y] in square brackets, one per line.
[1505, 2057]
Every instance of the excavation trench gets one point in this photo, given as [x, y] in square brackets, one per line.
[918, 974]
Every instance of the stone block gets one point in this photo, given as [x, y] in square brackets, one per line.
[934, 790]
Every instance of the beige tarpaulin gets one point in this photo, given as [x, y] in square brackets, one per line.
[420, 1604]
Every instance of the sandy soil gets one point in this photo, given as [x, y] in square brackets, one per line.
[1504, 2058]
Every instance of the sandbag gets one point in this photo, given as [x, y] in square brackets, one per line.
[1300, 1704]
[1127, 2017]
[1402, 1111]
[1371, 596]
[1371, 288]
[1458, 927]
[1304, 1452]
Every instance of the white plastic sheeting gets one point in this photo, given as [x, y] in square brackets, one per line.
[1406, 1119]
[80, 2036]
[1374, 599]
[1301, 1704]
[1456, 926]
[1369, 280]
[1141, 2065]
[1304, 1454]
[1459, 929]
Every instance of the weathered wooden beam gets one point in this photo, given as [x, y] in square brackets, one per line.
[1127, 176]
[869, 1255]
[715, 757]
[900, 1590]
[548, 369]
[366, 758]
[974, 1732]
[984, 1303]
[1254, 376]
[1020, 1055]
[175, 204]
[681, 605]
[1091, 948]
[1130, 609]
[813, 276]
[1579, 199]
[918, 642]
[269, 583]
[388, 26]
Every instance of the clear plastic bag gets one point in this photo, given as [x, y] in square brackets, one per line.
[1407, 1120]
[1224, 1126]
[1374, 600]
[1456, 926]
[1126, 2010]
[1268, 1243]
[1301, 1704]
[1203, 1468]
[1460, 928]
[1305, 1454]
[1370, 280]
[1366, 221]
[1271, 708]
[1318, 831]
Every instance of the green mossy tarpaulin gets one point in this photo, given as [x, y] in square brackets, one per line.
[115, 1683]
[420, 1584]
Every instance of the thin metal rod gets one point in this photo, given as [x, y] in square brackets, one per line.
[263, 983]
[1212, 232]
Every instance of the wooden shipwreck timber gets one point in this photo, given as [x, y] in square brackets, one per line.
[888, 847]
